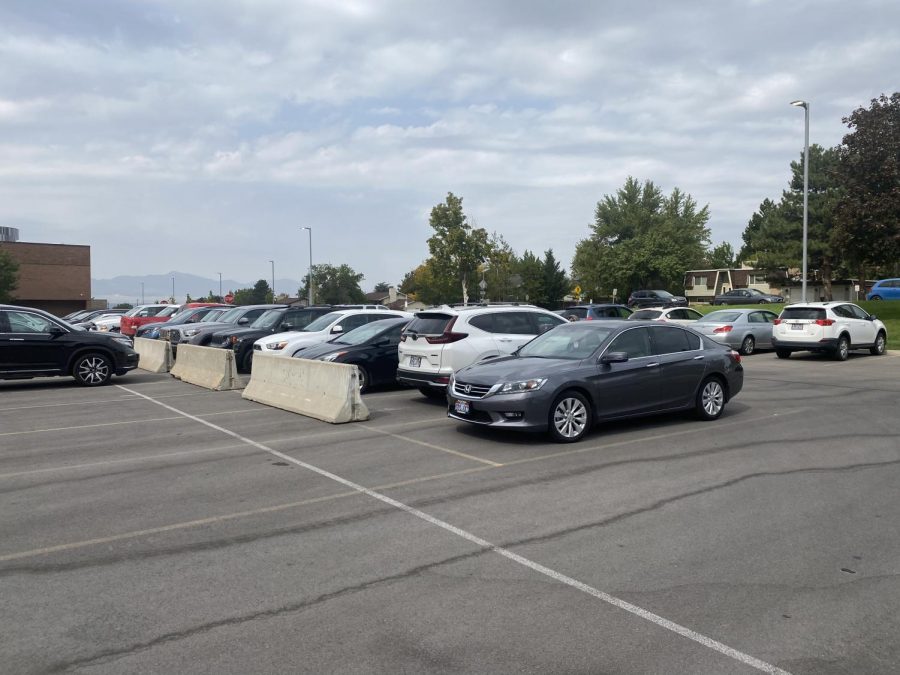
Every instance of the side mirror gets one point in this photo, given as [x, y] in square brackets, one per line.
[872, 317]
[287, 326]
[56, 330]
[243, 321]
[614, 357]
[337, 329]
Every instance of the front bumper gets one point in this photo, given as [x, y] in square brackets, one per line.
[525, 412]
[126, 361]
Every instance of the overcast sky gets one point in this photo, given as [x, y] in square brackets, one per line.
[201, 136]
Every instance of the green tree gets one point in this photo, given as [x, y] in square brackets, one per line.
[9, 276]
[774, 234]
[721, 256]
[457, 250]
[124, 305]
[334, 285]
[555, 283]
[258, 295]
[641, 238]
[382, 287]
[530, 271]
[867, 215]
[498, 268]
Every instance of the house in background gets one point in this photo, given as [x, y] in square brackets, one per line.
[394, 299]
[52, 277]
[703, 285]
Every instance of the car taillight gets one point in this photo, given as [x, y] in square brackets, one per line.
[723, 329]
[447, 336]
[735, 356]
[824, 322]
[588, 318]
[777, 322]
[403, 338]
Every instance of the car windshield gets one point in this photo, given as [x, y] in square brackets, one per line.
[645, 314]
[573, 341]
[363, 334]
[664, 294]
[134, 310]
[755, 291]
[268, 319]
[721, 316]
[183, 314]
[213, 314]
[169, 311]
[322, 322]
[231, 315]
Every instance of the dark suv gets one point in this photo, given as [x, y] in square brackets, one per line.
[241, 339]
[640, 299]
[34, 343]
[594, 312]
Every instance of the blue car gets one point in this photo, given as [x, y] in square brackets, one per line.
[886, 289]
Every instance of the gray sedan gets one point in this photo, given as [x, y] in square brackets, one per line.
[578, 373]
[745, 330]
[745, 296]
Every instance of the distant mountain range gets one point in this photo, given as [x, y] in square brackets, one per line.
[159, 287]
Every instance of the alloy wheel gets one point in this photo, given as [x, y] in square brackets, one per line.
[712, 398]
[93, 370]
[570, 418]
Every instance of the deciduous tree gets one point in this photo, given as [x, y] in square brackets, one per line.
[9, 276]
[457, 250]
[334, 285]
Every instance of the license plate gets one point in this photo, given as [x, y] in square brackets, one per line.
[462, 407]
[796, 326]
[415, 361]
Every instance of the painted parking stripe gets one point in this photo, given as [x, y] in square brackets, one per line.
[633, 609]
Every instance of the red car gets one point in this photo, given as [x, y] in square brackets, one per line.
[155, 314]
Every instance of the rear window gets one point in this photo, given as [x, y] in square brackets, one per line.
[722, 317]
[808, 313]
[429, 323]
[646, 314]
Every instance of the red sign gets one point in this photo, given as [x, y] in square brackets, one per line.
[229, 298]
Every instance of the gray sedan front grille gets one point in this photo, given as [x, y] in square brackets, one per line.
[470, 390]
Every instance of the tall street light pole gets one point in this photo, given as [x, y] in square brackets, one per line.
[220, 285]
[309, 287]
[173, 290]
[273, 280]
[805, 106]
[142, 292]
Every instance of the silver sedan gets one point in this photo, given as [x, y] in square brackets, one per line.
[745, 330]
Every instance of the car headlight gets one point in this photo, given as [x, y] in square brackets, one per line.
[191, 332]
[123, 340]
[277, 345]
[521, 386]
[334, 356]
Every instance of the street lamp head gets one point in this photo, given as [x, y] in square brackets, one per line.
[800, 104]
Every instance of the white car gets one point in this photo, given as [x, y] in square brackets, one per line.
[682, 315]
[321, 330]
[108, 323]
[440, 341]
[831, 327]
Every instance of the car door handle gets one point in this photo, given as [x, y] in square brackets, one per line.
[698, 358]
[17, 339]
[651, 365]
[504, 339]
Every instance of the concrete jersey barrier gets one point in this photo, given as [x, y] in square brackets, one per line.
[209, 367]
[325, 391]
[155, 355]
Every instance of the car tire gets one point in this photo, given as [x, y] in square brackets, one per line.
[875, 297]
[92, 370]
[710, 399]
[433, 393]
[783, 353]
[880, 344]
[763, 302]
[842, 350]
[570, 417]
[747, 346]
[247, 362]
[363, 379]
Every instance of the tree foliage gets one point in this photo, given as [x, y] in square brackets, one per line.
[334, 285]
[867, 217]
[382, 287]
[774, 235]
[9, 276]
[457, 250]
[721, 257]
[641, 238]
[258, 295]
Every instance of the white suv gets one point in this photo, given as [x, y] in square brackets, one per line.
[321, 330]
[440, 341]
[833, 327]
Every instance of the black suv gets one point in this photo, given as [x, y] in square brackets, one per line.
[640, 299]
[241, 339]
[34, 343]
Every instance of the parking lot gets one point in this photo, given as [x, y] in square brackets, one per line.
[153, 526]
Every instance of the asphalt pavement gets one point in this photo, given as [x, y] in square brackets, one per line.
[152, 526]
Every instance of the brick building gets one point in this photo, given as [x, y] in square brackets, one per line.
[52, 277]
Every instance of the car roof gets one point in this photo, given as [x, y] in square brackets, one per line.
[471, 308]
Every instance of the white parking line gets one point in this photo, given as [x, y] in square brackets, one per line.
[635, 610]
[129, 397]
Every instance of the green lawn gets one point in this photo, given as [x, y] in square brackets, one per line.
[888, 312]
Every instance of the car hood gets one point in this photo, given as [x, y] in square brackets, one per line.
[513, 369]
[329, 347]
[294, 335]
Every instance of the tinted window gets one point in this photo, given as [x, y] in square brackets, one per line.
[857, 312]
[26, 322]
[668, 340]
[541, 323]
[646, 314]
[693, 340]
[722, 316]
[514, 323]
[807, 313]
[325, 321]
[692, 314]
[580, 312]
[757, 317]
[484, 322]
[843, 311]
[431, 323]
[623, 312]
[348, 323]
[634, 342]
